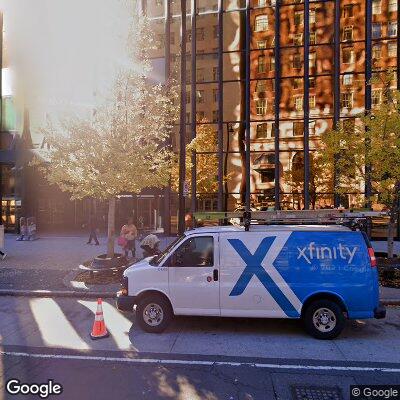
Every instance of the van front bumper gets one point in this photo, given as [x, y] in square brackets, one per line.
[125, 303]
[380, 312]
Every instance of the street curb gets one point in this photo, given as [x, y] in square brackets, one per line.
[56, 293]
[391, 302]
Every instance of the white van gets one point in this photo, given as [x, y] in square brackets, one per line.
[321, 274]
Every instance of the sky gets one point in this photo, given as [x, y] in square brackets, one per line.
[63, 52]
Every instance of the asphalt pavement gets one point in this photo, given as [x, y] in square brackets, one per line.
[195, 358]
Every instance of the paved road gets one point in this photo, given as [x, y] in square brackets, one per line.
[196, 358]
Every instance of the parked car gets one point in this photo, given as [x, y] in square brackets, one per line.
[321, 274]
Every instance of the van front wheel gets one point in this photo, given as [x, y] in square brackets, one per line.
[153, 314]
[324, 319]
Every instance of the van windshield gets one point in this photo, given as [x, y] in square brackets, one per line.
[157, 260]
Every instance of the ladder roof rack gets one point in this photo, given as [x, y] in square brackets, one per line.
[351, 218]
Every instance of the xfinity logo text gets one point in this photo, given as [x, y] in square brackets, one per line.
[312, 252]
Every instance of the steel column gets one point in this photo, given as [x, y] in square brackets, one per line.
[167, 75]
[306, 105]
[277, 100]
[248, 105]
[220, 106]
[368, 76]
[182, 130]
[193, 92]
[336, 91]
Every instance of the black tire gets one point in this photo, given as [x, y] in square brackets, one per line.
[158, 303]
[331, 312]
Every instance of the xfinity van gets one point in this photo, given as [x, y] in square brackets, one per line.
[322, 274]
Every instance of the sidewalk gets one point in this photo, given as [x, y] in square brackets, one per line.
[51, 263]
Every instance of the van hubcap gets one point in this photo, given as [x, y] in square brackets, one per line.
[324, 320]
[153, 314]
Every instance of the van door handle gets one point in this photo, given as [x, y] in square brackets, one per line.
[215, 275]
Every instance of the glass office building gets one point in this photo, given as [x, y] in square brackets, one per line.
[267, 78]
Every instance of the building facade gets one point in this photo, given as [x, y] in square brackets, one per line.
[270, 77]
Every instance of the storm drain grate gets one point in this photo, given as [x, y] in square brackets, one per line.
[316, 393]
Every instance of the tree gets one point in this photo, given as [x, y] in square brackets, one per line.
[206, 144]
[373, 143]
[321, 180]
[122, 148]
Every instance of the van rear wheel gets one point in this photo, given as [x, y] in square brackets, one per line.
[324, 319]
[153, 314]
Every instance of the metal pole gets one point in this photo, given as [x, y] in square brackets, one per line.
[182, 131]
[306, 104]
[167, 74]
[336, 92]
[193, 103]
[277, 55]
[220, 107]
[368, 75]
[247, 106]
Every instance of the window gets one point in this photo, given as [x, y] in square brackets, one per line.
[200, 115]
[313, 37]
[298, 39]
[312, 16]
[347, 79]
[347, 100]
[348, 11]
[215, 116]
[215, 95]
[392, 49]
[200, 96]
[261, 106]
[272, 63]
[298, 128]
[160, 42]
[392, 5]
[261, 86]
[194, 252]
[392, 29]
[172, 38]
[215, 73]
[262, 44]
[312, 101]
[261, 64]
[376, 51]
[348, 33]
[298, 103]
[188, 118]
[312, 60]
[215, 31]
[261, 24]
[200, 34]
[200, 74]
[297, 83]
[348, 55]
[376, 97]
[262, 131]
[188, 97]
[376, 30]
[188, 36]
[262, 3]
[297, 62]
[298, 18]
[267, 175]
[312, 82]
[376, 7]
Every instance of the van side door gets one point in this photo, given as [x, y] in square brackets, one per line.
[193, 273]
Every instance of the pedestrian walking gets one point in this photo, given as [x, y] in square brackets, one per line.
[23, 229]
[129, 233]
[3, 255]
[93, 226]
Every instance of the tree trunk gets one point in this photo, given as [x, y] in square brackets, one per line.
[111, 228]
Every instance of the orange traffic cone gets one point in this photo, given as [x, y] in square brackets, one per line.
[99, 329]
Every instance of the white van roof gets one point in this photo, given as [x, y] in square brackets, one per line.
[267, 228]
